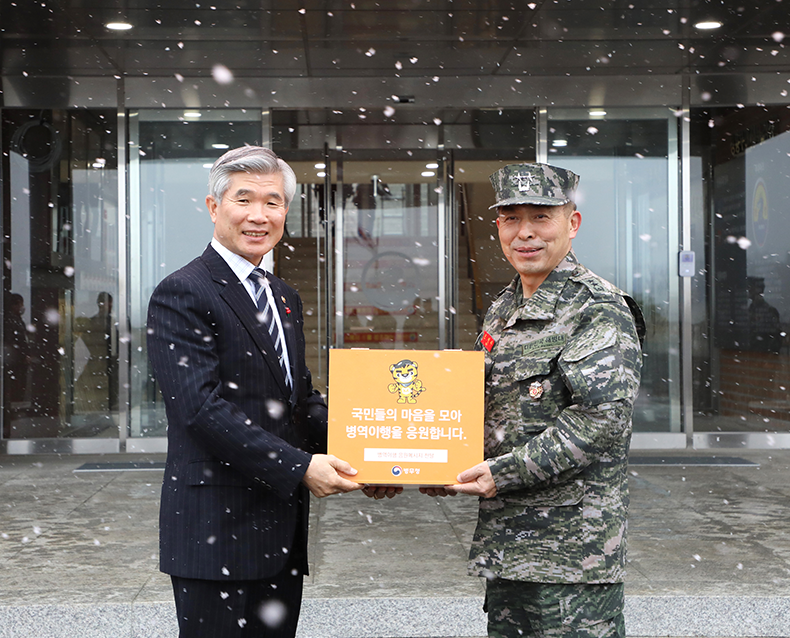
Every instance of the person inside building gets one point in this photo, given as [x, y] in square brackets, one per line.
[765, 326]
[96, 388]
[562, 371]
[245, 427]
[16, 356]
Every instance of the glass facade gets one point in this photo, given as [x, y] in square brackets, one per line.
[60, 274]
[741, 354]
[391, 248]
[172, 152]
[627, 197]
[393, 121]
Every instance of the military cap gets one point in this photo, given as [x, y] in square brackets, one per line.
[539, 184]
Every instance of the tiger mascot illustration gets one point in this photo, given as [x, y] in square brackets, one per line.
[407, 385]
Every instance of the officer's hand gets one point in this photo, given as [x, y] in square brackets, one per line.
[476, 481]
[324, 476]
[380, 491]
[438, 491]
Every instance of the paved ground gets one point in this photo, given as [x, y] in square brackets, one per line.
[709, 554]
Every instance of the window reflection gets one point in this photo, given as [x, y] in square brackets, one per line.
[626, 237]
[170, 225]
[742, 365]
[60, 257]
[391, 246]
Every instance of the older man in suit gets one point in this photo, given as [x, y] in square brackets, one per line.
[245, 426]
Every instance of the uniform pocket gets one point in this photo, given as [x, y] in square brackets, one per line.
[541, 390]
[561, 495]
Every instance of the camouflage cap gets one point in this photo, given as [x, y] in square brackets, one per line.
[539, 184]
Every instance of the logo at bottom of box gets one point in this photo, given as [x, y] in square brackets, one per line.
[404, 462]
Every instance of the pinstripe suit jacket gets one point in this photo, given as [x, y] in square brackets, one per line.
[239, 442]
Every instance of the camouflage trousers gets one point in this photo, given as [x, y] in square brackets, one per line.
[520, 610]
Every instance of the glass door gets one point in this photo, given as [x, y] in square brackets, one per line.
[628, 195]
[365, 246]
[741, 223]
[389, 239]
[171, 152]
[60, 280]
[388, 253]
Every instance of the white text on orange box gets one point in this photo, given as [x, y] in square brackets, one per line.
[405, 455]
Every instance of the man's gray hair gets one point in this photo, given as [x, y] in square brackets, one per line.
[249, 159]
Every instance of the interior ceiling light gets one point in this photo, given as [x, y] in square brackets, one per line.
[707, 25]
[427, 173]
[560, 143]
[597, 113]
[192, 115]
[320, 165]
[432, 165]
[118, 26]
[220, 147]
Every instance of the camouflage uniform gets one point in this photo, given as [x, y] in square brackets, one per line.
[562, 374]
[555, 611]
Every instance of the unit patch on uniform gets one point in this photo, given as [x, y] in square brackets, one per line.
[487, 341]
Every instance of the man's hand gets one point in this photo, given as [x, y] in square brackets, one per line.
[324, 476]
[380, 491]
[476, 481]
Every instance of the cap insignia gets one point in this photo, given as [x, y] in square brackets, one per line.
[525, 181]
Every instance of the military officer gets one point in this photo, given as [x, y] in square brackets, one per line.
[563, 359]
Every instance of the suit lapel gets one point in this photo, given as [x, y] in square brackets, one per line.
[240, 302]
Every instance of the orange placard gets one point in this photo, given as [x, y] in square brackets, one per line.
[406, 416]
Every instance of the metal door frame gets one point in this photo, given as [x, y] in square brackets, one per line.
[334, 264]
[679, 234]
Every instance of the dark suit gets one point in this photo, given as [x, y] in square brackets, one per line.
[239, 442]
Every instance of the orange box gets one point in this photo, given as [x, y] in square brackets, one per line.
[406, 417]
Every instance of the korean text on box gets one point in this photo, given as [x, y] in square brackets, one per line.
[406, 416]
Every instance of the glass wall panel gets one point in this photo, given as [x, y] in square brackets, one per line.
[742, 362]
[300, 256]
[390, 181]
[390, 254]
[60, 274]
[171, 154]
[482, 270]
[629, 231]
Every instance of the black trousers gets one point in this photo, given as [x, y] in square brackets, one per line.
[267, 608]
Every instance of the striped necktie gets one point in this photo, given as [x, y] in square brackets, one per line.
[266, 317]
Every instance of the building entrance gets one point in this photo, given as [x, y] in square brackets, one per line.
[389, 241]
[373, 248]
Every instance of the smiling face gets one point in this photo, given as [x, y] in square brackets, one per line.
[535, 239]
[250, 218]
[404, 372]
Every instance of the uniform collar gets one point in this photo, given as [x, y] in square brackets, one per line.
[541, 305]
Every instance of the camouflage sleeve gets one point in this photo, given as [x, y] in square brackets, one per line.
[600, 367]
